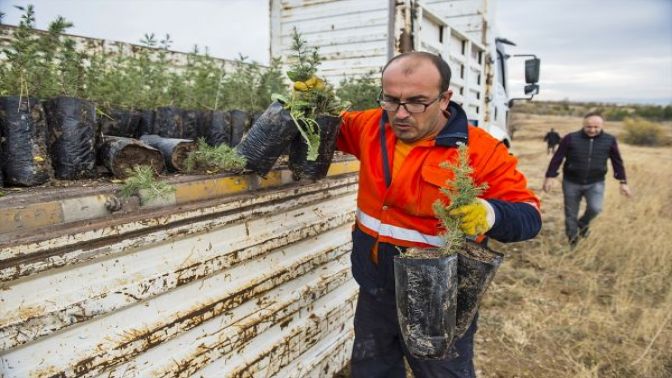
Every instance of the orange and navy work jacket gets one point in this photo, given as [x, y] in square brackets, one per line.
[398, 209]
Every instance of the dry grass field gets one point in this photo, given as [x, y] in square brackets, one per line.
[603, 309]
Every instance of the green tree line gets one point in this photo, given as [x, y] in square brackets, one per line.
[611, 112]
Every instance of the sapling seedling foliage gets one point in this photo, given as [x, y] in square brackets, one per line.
[215, 159]
[461, 190]
[310, 97]
[143, 178]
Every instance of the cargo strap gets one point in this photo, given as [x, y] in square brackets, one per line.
[383, 148]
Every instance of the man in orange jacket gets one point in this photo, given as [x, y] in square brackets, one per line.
[400, 148]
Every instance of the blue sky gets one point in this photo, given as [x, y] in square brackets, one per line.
[591, 50]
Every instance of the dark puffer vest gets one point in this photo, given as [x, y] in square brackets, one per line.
[586, 161]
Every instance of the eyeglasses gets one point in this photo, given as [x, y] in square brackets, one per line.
[411, 107]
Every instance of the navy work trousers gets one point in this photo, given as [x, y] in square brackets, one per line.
[379, 348]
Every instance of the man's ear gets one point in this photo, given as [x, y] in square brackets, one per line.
[445, 102]
[447, 95]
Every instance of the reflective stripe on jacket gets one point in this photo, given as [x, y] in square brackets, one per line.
[402, 214]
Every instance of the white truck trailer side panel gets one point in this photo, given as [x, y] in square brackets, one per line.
[352, 35]
[252, 282]
[471, 17]
[464, 55]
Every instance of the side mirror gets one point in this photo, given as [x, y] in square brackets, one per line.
[532, 71]
[531, 89]
[531, 78]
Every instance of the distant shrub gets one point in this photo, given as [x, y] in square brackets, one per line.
[615, 114]
[658, 113]
[641, 132]
[611, 112]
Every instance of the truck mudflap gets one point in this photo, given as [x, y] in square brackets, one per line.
[233, 276]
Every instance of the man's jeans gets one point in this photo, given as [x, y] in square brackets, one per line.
[594, 195]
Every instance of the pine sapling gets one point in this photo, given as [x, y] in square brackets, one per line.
[141, 181]
[22, 56]
[311, 96]
[51, 58]
[462, 190]
[204, 80]
[215, 159]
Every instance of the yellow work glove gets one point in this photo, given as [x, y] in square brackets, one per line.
[312, 82]
[476, 218]
[300, 86]
[315, 82]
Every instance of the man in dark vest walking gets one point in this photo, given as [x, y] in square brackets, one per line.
[585, 153]
[552, 139]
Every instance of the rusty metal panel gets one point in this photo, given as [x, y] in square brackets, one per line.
[352, 35]
[58, 246]
[31, 216]
[253, 285]
[45, 210]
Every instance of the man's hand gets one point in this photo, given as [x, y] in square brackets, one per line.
[476, 218]
[548, 184]
[625, 190]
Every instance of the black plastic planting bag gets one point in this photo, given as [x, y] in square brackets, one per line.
[174, 151]
[216, 128]
[253, 117]
[190, 122]
[267, 138]
[426, 293]
[120, 122]
[168, 122]
[238, 125]
[71, 138]
[119, 154]
[146, 123]
[476, 268]
[24, 142]
[315, 170]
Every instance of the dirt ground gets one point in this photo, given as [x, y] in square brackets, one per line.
[538, 317]
[533, 159]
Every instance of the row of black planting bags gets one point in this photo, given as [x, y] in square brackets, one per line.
[59, 137]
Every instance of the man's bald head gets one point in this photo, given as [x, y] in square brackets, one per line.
[413, 60]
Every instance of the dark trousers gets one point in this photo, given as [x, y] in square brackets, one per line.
[550, 148]
[573, 193]
[379, 349]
